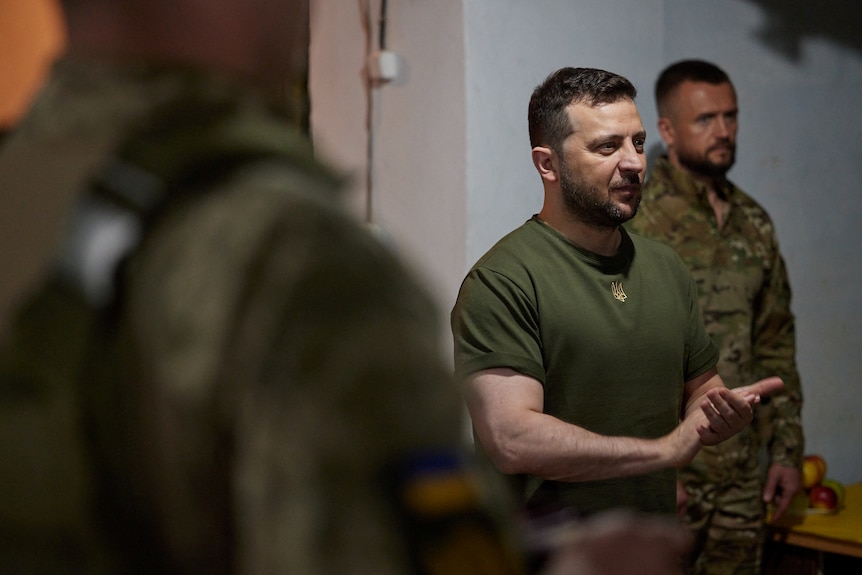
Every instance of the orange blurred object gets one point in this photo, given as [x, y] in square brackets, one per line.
[32, 35]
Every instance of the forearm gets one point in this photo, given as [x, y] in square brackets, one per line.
[508, 415]
[547, 447]
[783, 429]
[781, 419]
[774, 353]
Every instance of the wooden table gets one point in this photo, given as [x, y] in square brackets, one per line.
[840, 533]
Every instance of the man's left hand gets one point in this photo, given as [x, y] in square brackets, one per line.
[729, 411]
[782, 483]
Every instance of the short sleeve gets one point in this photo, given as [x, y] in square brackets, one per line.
[495, 323]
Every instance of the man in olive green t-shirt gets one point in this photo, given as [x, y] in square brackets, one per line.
[589, 375]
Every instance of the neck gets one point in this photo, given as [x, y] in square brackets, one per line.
[713, 182]
[599, 240]
[714, 185]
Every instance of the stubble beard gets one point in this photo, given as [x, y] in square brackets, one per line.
[701, 164]
[586, 204]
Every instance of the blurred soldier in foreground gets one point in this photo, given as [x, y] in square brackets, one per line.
[222, 372]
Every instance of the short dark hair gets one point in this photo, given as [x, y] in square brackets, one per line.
[685, 71]
[547, 118]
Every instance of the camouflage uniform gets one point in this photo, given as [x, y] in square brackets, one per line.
[745, 298]
[268, 388]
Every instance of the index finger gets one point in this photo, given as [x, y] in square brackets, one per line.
[765, 386]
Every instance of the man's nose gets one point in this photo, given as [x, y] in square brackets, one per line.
[722, 127]
[632, 159]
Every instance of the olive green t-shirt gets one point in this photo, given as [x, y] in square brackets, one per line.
[611, 339]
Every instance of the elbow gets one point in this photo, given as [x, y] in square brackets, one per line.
[508, 464]
[505, 456]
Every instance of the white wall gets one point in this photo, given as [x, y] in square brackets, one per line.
[512, 46]
[452, 170]
[799, 154]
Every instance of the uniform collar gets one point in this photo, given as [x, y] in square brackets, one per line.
[685, 185]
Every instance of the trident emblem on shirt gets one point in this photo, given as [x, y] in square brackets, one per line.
[617, 290]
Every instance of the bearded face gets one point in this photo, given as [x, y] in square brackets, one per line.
[701, 128]
[713, 161]
[595, 204]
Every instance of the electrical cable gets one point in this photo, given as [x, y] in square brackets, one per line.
[381, 41]
[371, 95]
[365, 9]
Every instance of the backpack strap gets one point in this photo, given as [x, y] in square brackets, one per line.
[181, 149]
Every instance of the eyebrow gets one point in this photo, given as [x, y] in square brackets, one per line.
[713, 113]
[601, 138]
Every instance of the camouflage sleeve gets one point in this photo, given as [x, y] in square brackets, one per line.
[774, 349]
[351, 385]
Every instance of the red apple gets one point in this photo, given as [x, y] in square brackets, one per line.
[822, 497]
[837, 487]
[813, 470]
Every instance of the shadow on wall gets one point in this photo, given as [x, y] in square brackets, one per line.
[790, 22]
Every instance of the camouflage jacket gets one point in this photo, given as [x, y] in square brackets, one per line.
[254, 394]
[744, 293]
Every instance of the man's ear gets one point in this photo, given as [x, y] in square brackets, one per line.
[666, 131]
[546, 163]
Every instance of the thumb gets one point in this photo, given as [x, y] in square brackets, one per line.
[769, 488]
